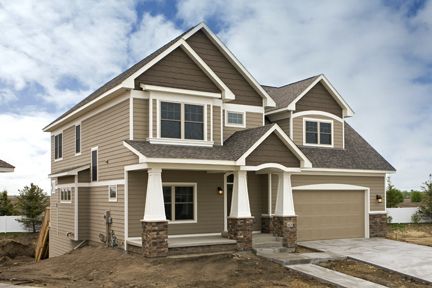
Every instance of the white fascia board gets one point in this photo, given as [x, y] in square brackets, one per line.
[332, 171]
[242, 108]
[190, 161]
[141, 157]
[317, 113]
[70, 172]
[330, 186]
[188, 92]
[109, 92]
[268, 101]
[7, 169]
[274, 167]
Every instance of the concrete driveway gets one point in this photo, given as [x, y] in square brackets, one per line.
[409, 259]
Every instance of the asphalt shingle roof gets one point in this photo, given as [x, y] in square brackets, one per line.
[4, 164]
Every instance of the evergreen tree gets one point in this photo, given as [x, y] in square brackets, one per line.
[425, 209]
[394, 196]
[6, 206]
[31, 203]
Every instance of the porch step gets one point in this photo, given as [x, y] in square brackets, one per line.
[201, 249]
[333, 277]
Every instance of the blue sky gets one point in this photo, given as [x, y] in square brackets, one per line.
[378, 54]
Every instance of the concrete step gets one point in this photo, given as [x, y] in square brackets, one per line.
[286, 257]
[332, 277]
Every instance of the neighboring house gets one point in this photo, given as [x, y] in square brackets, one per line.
[186, 142]
[6, 167]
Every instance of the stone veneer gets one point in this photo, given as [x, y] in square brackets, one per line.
[266, 224]
[240, 229]
[377, 225]
[155, 239]
[286, 227]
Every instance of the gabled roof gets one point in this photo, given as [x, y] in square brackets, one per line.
[358, 154]
[287, 96]
[6, 167]
[125, 79]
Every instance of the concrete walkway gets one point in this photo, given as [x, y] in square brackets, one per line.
[409, 259]
[333, 277]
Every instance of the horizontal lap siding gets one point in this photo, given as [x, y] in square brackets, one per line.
[257, 190]
[318, 98]
[154, 117]
[338, 130]
[107, 130]
[66, 180]
[285, 125]
[217, 125]
[137, 185]
[83, 213]
[243, 91]
[272, 150]
[178, 70]
[61, 223]
[141, 118]
[376, 185]
[253, 120]
[84, 176]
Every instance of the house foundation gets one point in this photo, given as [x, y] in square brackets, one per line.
[377, 225]
[155, 239]
[240, 229]
[286, 228]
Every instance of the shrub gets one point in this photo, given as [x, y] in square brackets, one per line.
[425, 209]
[394, 196]
[416, 196]
[389, 219]
[416, 218]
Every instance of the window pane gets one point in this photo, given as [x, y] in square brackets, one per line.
[183, 194]
[170, 111]
[311, 126]
[78, 139]
[325, 127]
[168, 212]
[230, 178]
[94, 165]
[60, 146]
[170, 129]
[235, 118]
[325, 139]
[184, 212]
[194, 113]
[194, 130]
[113, 192]
[167, 194]
[311, 138]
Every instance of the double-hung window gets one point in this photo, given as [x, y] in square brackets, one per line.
[94, 164]
[58, 146]
[318, 133]
[180, 202]
[181, 121]
[77, 139]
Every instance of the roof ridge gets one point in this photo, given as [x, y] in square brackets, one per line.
[315, 76]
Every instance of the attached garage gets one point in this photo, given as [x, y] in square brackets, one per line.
[331, 214]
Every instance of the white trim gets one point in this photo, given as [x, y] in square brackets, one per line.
[151, 116]
[70, 172]
[180, 142]
[75, 134]
[97, 163]
[243, 108]
[187, 92]
[377, 212]
[226, 199]
[76, 207]
[270, 190]
[139, 94]
[221, 126]
[193, 235]
[334, 171]
[345, 187]
[211, 123]
[7, 169]
[102, 183]
[318, 121]
[267, 100]
[66, 186]
[274, 167]
[109, 193]
[195, 201]
[242, 113]
[126, 207]
[240, 206]
[154, 209]
[131, 118]
[317, 113]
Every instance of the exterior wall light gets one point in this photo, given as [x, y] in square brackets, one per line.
[379, 198]
[220, 191]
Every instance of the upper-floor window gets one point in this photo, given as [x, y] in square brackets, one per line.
[77, 139]
[94, 164]
[58, 146]
[181, 121]
[235, 119]
[318, 132]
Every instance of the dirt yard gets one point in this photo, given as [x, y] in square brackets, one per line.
[101, 267]
[412, 233]
[373, 274]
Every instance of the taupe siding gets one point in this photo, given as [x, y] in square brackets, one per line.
[154, 117]
[275, 183]
[285, 125]
[243, 91]
[318, 98]
[298, 130]
[107, 130]
[84, 176]
[257, 190]
[141, 119]
[217, 125]
[253, 120]
[209, 116]
[137, 185]
[177, 70]
[61, 223]
[272, 150]
[376, 185]
[84, 213]
[66, 180]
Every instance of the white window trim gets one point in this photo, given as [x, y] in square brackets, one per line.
[227, 124]
[79, 153]
[195, 201]
[97, 163]
[66, 187]
[319, 120]
[110, 199]
[179, 141]
[61, 158]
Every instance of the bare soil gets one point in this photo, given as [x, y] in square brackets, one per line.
[412, 233]
[16, 248]
[102, 267]
[373, 274]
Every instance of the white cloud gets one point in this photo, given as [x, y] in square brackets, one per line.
[25, 146]
[370, 52]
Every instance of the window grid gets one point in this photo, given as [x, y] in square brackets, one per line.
[171, 203]
[318, 133]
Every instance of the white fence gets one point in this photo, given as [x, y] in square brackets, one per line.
[9, 224]
[401, 215]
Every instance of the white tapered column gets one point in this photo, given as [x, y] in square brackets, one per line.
[154, 206]
[284, 198]
[240, 197]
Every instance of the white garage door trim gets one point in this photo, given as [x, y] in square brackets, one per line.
[345, 187]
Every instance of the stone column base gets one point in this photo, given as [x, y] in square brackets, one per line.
[377, 225]
[155, 239]
[286, 227]
[240, 229]
[266, 224]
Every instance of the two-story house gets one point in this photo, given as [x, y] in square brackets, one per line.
[187, 143]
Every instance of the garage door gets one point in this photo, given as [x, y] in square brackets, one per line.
[329, 214]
